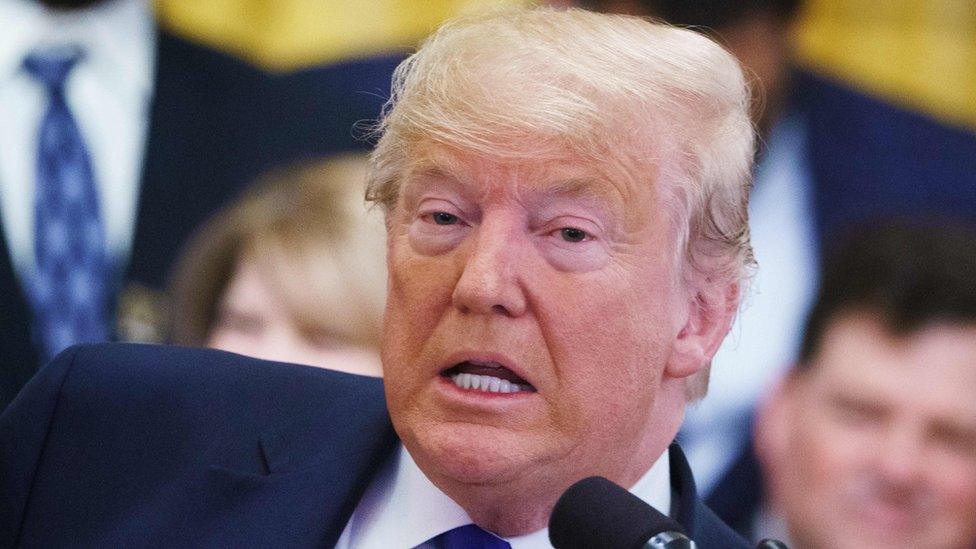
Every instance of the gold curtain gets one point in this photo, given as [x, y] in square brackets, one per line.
[917, 53]
[283, 35]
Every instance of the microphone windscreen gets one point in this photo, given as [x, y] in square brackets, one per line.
[595, 513]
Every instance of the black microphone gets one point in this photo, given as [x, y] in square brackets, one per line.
[595, 513]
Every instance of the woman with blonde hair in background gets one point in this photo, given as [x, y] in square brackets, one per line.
[292, 271]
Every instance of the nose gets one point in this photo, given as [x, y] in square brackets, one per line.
[900, 458]
[490, 282]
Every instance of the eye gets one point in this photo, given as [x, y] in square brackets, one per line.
[444, 218]
[572, 234]
[956, 439]
[857, 412]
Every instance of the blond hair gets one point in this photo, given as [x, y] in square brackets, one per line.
[662, 105]
[307, 228]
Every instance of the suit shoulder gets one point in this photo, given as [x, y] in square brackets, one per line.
[111, 442]
[133, 379]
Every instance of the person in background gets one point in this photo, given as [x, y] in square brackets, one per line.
[118, 136]
[293, 271]
[832, 157]
[870, 440]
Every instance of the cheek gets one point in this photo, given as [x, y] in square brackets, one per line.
[572, 257]
[819, 454]
[427, 238]
[608, 345]
[420, 290]
[955, 484]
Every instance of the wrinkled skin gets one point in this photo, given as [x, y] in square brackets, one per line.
[565, 277]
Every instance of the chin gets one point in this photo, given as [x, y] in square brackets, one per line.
[469, 454]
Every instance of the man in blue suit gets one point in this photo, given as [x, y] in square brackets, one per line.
[174, 128]
[565, 195]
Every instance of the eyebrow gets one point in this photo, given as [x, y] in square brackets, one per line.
[594, 189]
[580, 187]
[419, 174]
[435, 172]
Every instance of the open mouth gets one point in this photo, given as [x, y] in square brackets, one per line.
[487, 377]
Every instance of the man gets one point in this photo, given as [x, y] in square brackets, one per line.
[832, 158]
[171, 131]
[870, 441]
[565, 196]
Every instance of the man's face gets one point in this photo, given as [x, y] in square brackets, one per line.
[546, 277]
[875, 445]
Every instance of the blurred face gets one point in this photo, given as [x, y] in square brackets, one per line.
[252, 320]
[875, 446]
[761, 42]
[530, 328]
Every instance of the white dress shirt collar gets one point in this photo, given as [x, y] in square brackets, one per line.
[401, 508]
[106, 32]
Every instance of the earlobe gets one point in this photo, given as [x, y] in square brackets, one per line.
[710, 315]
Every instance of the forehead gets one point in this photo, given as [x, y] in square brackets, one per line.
[932, 369]
[625, 190]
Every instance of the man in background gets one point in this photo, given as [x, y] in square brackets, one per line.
[870, 440]
[830, 158]
[117, 138]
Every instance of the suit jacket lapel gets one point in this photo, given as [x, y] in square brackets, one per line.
[684, 494]
[315, 471]
[701, 524]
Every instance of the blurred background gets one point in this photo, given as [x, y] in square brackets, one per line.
[917, 54]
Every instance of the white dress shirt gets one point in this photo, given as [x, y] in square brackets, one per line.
[401, 508]
[765, 338]
[109, 93]
[769, 525]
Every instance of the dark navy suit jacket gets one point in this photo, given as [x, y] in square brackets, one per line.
[118, 445]
[215, 124]
[869, 159]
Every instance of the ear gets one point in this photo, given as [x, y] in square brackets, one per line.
[710, 314]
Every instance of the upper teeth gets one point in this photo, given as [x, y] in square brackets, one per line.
[486, 383]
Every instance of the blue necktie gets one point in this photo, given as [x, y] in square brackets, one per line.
[69, 289]
[466, 537]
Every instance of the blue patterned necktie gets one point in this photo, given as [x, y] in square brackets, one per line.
[69, 289]
[466, 537]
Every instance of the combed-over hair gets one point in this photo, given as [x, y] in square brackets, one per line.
[665, 106]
